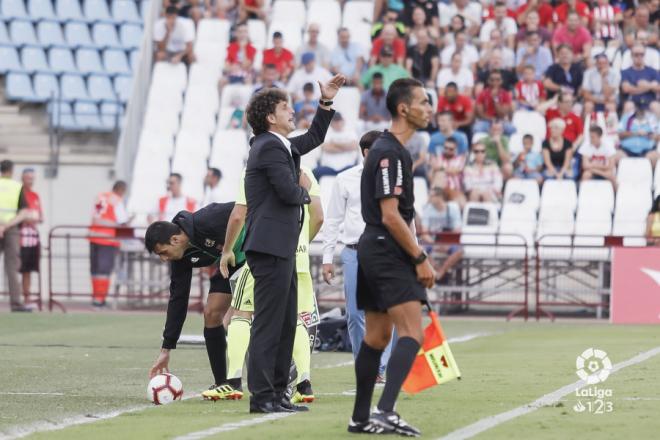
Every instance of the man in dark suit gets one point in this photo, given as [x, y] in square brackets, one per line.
[275, 192]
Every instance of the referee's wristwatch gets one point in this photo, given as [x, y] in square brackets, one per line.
[326, 102]
[420, 258]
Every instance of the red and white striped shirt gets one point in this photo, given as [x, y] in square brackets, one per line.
[530, 93]
[604, 15]
[29, 232]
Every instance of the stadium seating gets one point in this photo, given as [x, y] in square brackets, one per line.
[556, 226]
[523, 192]
[46, 86]
[49, 34]
[357, 12]
[561, 194]
[9, 60]
[630, 212]
[105, 36]
[97, 11]
[421, 191]
[125, 11]
[479, 231]
[89, 61]
[69, 10]
[22, 33]
[100, 88]
[289, 11]
[591, 226]
[41, 10]
[34, 60]
[595, 196]
[19, 87]
[635, 170]
[291, 33]
[516, 234]
[13, 9]
[257, 33]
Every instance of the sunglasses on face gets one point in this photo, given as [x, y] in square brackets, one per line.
[479, 151]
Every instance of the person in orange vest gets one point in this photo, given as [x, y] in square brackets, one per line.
[174, 202]
[109, 213]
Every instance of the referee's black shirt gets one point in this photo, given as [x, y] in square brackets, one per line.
[387, 173]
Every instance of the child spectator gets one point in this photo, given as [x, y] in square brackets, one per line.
[529, 91]
[528, 164]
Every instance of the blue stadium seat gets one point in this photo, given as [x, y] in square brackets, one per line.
[46, 86]
[100, 88]
[88, 61]
[50, 34]
[41, 10]
[123, 87]
[131, 36]
[68, 10]
[145, 6]
[87, 115]
[19, 87]
[115, 62]
[73, 87]
[77, 34]
[111, 115]
[9, 59]
[62, 115]
[97, 11]
[34, 60]
[105, 36]
[125, 11]
[134, 59]
[4, 35]
[22, 32]
[61, 60]
[13, 9]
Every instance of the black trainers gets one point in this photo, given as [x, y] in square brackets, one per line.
[368, 428]
[394, 421]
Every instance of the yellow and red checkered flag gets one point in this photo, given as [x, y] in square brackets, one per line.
[434, 363]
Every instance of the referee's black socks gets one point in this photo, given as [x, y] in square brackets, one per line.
[366, 371]
[401, 360]
[216, 348]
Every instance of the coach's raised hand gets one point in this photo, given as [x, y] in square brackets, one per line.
[329, 90]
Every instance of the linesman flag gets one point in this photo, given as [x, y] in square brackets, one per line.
[434, 363]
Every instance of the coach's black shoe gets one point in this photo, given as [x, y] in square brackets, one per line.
[368, 428]
[98, 304]
[394, 421]
[284, 403]
[268, 407]
[21, 309]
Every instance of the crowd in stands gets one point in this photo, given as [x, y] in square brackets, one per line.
[590, 69]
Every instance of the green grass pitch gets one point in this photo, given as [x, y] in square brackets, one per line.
[57, 368]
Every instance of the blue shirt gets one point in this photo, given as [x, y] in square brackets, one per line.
[633, 76]
[541, 60]
[437, 143]
[533, 160]
[345, 59]
[638, 144]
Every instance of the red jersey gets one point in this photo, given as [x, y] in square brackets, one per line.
[29, 232]
[546, 14]
[282, 61]
[487, 99]
[574, 125]
[234, 53]
[108, 210]
[530, 93]
[606, 14]
[563, 9]
[490, 13]
[398, 46]
[459, 108]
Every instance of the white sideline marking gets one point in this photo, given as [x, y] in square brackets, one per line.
[10, 393]
[232, 426]
[548, 399]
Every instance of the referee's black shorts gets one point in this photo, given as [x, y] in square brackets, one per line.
[386, 276]
[219, 284]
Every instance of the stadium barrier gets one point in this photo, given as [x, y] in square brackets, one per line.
[140, 280]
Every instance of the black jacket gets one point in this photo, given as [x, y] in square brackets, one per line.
[273, 194]
[206, 229]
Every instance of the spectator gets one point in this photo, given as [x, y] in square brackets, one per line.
[564, 110]
[428, 7]
[606, 22]
[459, 105]
[373, 107]
[575, 35]
[456, 25]
[280, 57]
[598, 158]
[529, 91]
[169, 205]
[239, 63]
[494, 103]
[29, 234]
[447, 130]
[506, 25]
[534, 54]
[305, 109]
[173, 37]
[421, 21]
[212, 192]
[347, 58]
[495, 43]
[528, 164]
[497, 148]
[640, 82]
[641, 21]
[190, 9]
[651, 54]
[391, 16]
[313, 45]
[251, 10]
[639, 133]
[600, 84]
[530, 21]
[653, 223]
[12, 213]
[237, 118]
[455, 73]
[468, 52]
[557, 152]
[482, 179]
[308, 73]
[422, 59]
[339, 151]
[388, 38]
[417, 146]
[564, 10]
[494, 63]
[446, 170]
[564, 73]
[386, 67]
[269, 78]
[470, 10]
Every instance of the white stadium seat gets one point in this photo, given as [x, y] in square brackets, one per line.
[630, 213]
[479, 229]
[559, 193]
[527, 189]
[171, 76]
[211, 55]
[192, 143]
[555, 228]
[213, 29]
[357, 12]
[228, 154]
[361, 34]
[517, 227]
[529, 122]
[595, 196]
[241, 92]
[421, 192]
[635, 170]
[291, 33]
[203, 74]
[348, 104]
[325, 13]
[591, 226]
[156, 142]
[257, 33]
[293, 11]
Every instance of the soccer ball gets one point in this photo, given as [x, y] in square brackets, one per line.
[164, 388]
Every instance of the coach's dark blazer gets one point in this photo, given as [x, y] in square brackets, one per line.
[272, 192]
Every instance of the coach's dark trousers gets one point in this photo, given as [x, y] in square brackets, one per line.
[273, 325]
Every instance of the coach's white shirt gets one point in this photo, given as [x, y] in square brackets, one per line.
[344, 207]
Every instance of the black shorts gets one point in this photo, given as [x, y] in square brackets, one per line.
[30, 259]
[102, 259]
[219, 284]
[386, 276]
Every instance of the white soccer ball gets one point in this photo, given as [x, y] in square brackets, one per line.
[164, 388]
